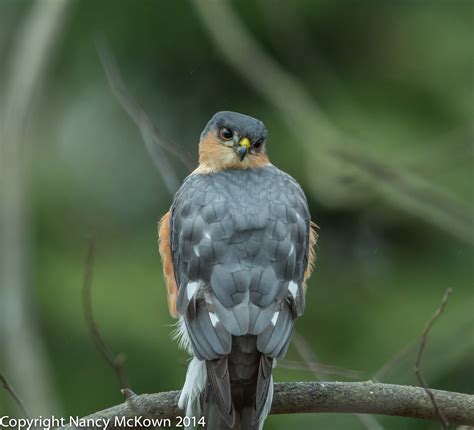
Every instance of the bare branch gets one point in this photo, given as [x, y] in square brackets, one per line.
[116, 362]
[329, 151]
[308, 356]
[128, 394]
[424, 339]
[8, 388]
[32, 49]
[320, 368]
[154, 143]
[392, 362]
[317, 397]
[305, 352]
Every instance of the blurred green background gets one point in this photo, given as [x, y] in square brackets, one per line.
[396, 77]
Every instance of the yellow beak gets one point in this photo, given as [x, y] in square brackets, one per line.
[244, 146]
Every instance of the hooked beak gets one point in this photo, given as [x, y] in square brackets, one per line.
[244, 146]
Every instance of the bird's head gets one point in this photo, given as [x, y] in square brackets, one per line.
[232, 140]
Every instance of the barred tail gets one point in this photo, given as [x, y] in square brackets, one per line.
[239, 391]
[246, 415]
[233, 392]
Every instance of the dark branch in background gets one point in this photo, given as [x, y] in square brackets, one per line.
[397, 358]
[309, 357]
[424, 339]
[358, 397]
[33, 46]
[8, 388]
[320, 368]
[326, 145]
[154, 143]
[316, 397]
[115, 361]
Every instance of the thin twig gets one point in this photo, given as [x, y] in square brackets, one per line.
[322, 369]
[117, 362]
[154, 142]
[424, 339]
[306, 353]
[406, 355]
[34, 44]
[326, 144]
[309, 357]
[392, 362]
[8, 388]
[128, 394]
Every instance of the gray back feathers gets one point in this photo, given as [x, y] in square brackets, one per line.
[240, 245]
[239, 242]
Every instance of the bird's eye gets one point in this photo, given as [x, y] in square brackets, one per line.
[226, 133]
[258, 144]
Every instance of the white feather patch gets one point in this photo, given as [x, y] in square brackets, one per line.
[214, 319]
[268, 405]
[293, 288]
[275, 317]
[191, 289]
[196, 379]
[180, 335]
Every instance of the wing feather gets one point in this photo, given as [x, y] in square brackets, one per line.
[246, 238]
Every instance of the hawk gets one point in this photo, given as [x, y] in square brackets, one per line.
[237, 248]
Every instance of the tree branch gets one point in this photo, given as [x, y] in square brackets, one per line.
[116, 362]
[424, 339]
[8, 388]
[154, 142]
[316, 397]
[307, 354]
[326, 146]
[22, 351]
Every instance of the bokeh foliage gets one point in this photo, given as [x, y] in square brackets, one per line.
[397, 77]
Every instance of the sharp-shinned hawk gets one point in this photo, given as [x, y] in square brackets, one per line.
[237, 247]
